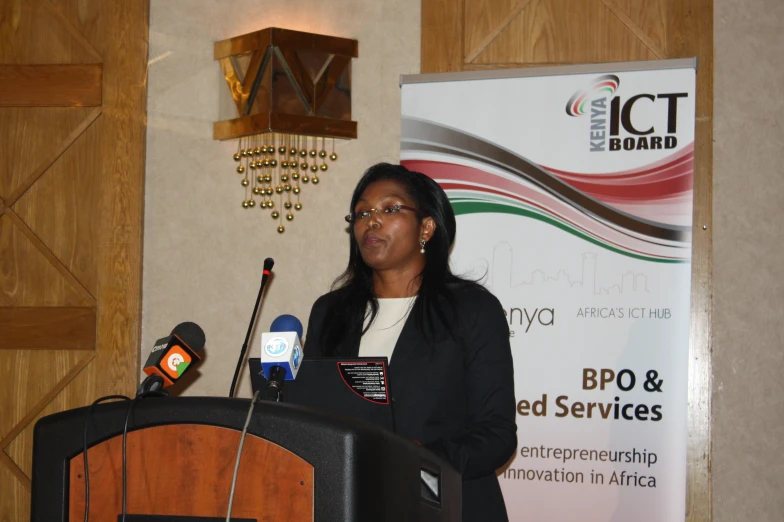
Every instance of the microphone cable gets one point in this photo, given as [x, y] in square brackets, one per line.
[239, 453]
[134, 401]
[84, 449]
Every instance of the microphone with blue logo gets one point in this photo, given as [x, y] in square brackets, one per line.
[281, 353]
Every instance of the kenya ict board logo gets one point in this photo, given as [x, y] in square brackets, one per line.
[611, 126]
[608, 84]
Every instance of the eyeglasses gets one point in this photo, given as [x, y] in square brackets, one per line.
[360, 217]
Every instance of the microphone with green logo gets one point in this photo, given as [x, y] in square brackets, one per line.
[172, 356]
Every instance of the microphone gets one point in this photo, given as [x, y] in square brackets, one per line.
[281, 353]
[172, 356]
[268, 263]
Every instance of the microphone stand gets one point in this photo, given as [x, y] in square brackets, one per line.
[267, 269]
[153, 384]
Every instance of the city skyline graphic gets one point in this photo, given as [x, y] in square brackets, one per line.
[499, 273]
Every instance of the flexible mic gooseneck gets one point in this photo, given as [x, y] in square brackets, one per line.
[268, 263]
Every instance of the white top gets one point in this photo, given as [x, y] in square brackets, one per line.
[381, 337]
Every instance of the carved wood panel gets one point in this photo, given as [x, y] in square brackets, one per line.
[72, 137]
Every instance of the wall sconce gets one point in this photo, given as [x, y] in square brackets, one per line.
[288, 92]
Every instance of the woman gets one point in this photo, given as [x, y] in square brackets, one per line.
[446, 338]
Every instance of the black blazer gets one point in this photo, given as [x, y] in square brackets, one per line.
[455, 395]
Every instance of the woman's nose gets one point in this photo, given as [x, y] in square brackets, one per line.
[373, 221]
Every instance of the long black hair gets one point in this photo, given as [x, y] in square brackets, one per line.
[437, 282]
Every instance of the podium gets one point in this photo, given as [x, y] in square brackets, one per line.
[297, 464]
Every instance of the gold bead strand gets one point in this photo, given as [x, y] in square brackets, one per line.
[253, 166]
[296, 191]
[262, 178]
[244, 182]
[293, 152]
[275, 166]
[293, 172]
[252, 163]
[237, 156]
[314, 168]
[287, 204]
[277, 214]
[272, 178]
[304, 170]
[302, 145]
[254, 147]
[262, 190]
[243, 169]
[265, 149]
[243, 153]
[263, 171]
[273, 152]
[268, 179]
[323, 155]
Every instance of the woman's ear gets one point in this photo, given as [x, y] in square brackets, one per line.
[427, 228]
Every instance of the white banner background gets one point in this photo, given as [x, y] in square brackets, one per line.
[582, 291]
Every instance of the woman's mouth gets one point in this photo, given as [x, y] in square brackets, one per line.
[371, 240]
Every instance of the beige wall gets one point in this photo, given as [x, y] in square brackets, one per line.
[748, 267]
[202, 252]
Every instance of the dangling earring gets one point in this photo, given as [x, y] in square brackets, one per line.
[422, 244]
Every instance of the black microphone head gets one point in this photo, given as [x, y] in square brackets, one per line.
[268, 264]
[192, 335]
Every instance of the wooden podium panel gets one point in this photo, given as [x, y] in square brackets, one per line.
[186, 470]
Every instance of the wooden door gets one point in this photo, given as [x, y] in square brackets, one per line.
[72, 137]
[467, 35]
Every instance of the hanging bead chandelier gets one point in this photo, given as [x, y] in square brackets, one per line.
[291, 93]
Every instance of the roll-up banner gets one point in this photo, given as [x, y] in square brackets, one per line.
[573, 193]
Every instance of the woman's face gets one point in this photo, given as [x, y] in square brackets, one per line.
[390, 240]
